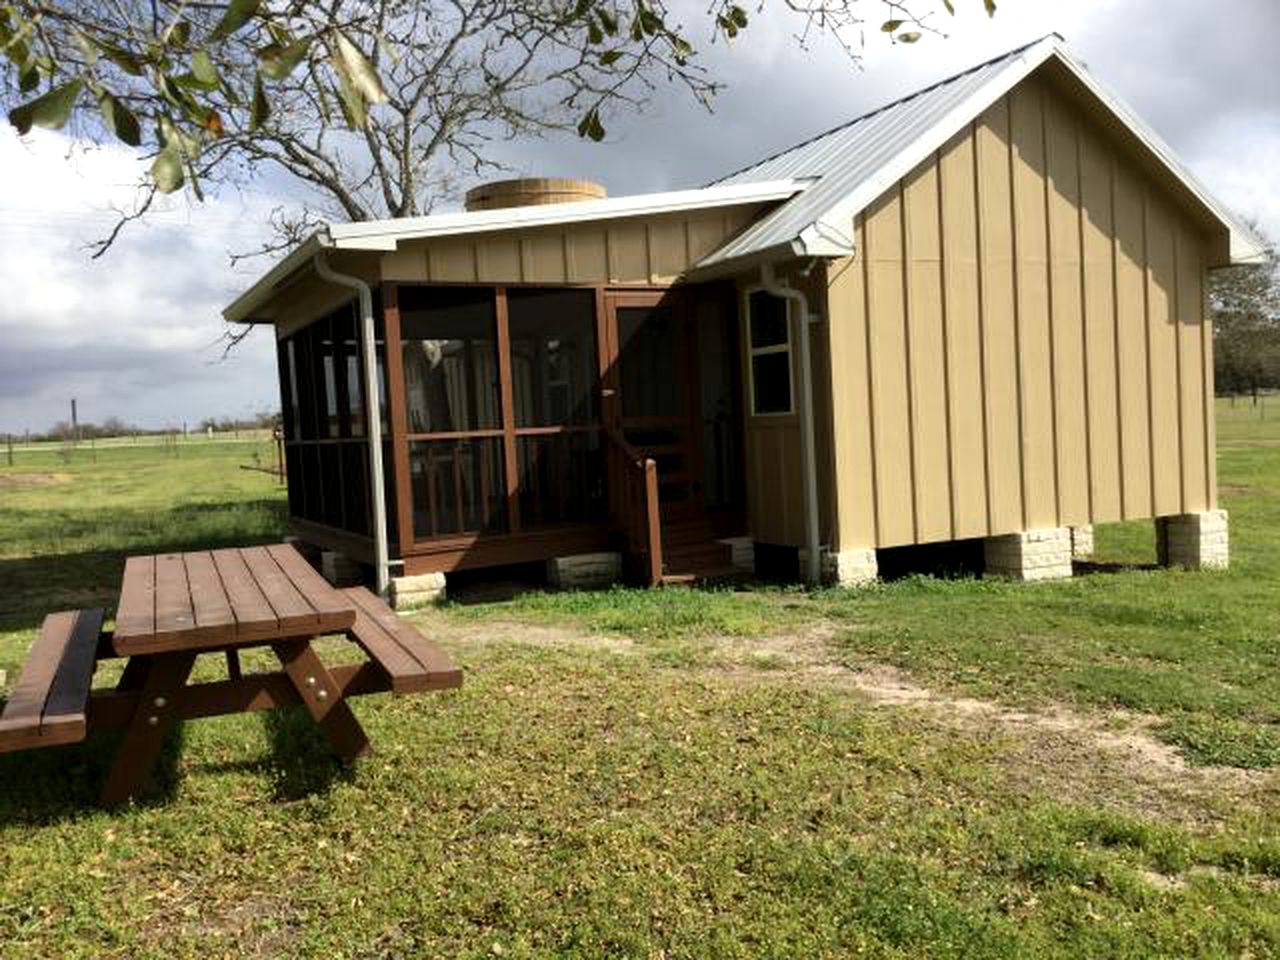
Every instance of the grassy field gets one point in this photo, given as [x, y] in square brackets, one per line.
[926, 768]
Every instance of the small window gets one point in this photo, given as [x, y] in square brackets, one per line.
[770, 339]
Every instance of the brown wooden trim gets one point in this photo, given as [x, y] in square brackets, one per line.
[510, 463]
[397, 416]
[354, 545]
[530, 546]
[557, 430]
[455, 435]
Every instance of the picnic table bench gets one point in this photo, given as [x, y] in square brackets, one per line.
[175, 607]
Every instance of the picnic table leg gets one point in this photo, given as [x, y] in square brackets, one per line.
[157, 711]
[322, 698]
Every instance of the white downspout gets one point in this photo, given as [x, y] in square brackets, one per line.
[373, 410]
[772, 286]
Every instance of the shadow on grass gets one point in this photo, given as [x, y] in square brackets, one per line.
[36, 585]
[55, 784]
[1101, 566]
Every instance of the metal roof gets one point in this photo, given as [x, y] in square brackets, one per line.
[854, 164]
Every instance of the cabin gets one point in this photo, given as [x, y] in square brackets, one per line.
[978, 313]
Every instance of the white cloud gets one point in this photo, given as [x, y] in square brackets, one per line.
[131, 334]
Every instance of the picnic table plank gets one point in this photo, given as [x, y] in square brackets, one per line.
[255, 620]
[402, 668]
[63, 719]
[175, 615]
[324, 599]
[56, 674]
[290, 606]
[136, 612]
[431, 659]
[208, 598]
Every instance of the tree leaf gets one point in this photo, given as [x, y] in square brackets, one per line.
[178, 34]
[591, 127]
[991, 7]
[951, 7]
[608, 21]
[360, 71]
[261, 109]
[126, 60]
[911, 36]
[166, 170]
[277, 62]
[239, 12]
[610, 57]
[119, 120]
[594, 34]
[28, 78]
[202, 68]
[350, 100]
[890, 25]
[51, 110]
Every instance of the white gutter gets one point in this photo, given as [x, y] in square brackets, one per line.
[373, 413]
[769, 282]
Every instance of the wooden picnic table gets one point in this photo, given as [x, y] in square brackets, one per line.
[174, 607]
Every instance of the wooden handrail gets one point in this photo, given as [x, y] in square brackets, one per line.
[639, 518]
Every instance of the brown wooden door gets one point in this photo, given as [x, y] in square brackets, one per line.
[656, 392]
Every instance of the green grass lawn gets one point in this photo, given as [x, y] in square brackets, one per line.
[925, 768]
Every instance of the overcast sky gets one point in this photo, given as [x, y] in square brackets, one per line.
[134, 334]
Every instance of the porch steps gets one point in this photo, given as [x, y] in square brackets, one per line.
[691, 554]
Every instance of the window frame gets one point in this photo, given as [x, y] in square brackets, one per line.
[754, 351]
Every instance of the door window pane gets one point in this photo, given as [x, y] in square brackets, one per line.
[457, 487]
[450, 359]
[554, 366]
[771, 380]
[768, 320]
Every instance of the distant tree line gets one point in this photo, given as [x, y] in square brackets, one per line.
[63, 431]
[1246, 326]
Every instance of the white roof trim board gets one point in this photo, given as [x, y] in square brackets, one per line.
[385, 234]
[856, 163]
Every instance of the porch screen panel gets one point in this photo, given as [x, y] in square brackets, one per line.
[458, 487]
[453, 408]
[322, 392]
[555, 374]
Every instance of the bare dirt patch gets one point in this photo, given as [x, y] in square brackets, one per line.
[1099, 757]
[20, 480]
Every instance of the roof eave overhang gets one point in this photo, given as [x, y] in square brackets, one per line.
[245, 308]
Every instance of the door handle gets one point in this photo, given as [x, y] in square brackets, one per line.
[607, 392]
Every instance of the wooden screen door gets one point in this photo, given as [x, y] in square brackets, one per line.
[654, 376]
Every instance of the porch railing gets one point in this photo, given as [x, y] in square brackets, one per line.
[634, 504]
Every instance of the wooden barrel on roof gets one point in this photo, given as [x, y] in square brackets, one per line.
[532, 191]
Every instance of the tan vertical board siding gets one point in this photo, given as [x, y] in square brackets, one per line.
[1068, 293]
[1210, 414]
[851, 401]
[645, 251]
[1129, 242]
[963, 337]
[890, 388]
[1035, 350]
[1000, 374]
[926, 354]
[1162, 346]
[1096, 230]
[1070, 406]
[1189, 270]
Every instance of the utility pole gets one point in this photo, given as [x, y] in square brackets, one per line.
[9, 438]
[75, 423]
